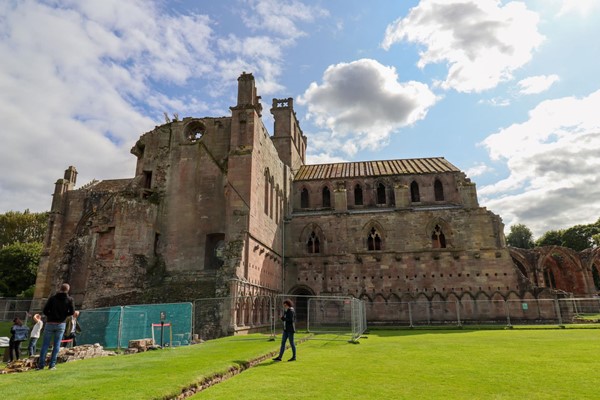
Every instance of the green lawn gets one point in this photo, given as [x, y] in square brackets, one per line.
[387, 364]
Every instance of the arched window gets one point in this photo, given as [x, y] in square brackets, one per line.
[438, 188]
[267, 192]
[358, 197]
[326, 197]
[414, 192]
[381, 198]
[549, 278]
[438, 238]
[271, 191]
[312, 246]
[596, 277]
[374, 240]
[304, 198]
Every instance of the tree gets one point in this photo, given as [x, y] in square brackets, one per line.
[22, 227]
[18, 267]
[550, 238]
[520, 236]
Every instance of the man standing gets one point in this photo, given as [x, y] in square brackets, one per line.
[73, 328]
[289, 328]
[56, 310]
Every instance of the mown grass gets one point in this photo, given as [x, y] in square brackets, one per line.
[387, 364]
[500, 364]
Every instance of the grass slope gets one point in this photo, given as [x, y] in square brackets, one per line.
[457, 364]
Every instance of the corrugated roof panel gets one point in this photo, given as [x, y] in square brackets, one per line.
[375, 168]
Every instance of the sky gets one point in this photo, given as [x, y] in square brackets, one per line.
[507, 91]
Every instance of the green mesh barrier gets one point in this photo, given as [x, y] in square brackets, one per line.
[100, 325]
[137, 323]
[114, 327]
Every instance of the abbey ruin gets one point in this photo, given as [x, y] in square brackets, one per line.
[220, 207]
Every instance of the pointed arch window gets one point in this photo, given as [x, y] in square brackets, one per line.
[313, 244]
[438, 238]
[596, 277]
[438, 189]
[304, 198]
[358, 195]
[326, 197]
[414, 192]
[381, 198]
[374, 240]
[549, 278]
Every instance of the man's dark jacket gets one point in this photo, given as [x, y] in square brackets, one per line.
[58, 308]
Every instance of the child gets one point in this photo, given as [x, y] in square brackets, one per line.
[18, 333]
[35, 333]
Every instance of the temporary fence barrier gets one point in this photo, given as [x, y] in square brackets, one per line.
[114, 327]
[485, 312]
[11, 308]
[344, 316]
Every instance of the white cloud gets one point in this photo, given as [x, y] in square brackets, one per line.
[537, 84]
[581, 7]
[478, 170]
[553, 165]
[362, 103]
[482, 41]
[81, 80]
[281, 17]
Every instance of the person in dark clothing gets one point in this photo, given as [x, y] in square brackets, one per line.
[289, 328]
[18, 333]
[56, 310]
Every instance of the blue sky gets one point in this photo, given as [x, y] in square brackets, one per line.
[508, 91]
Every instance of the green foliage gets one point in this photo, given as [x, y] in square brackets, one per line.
[550, 238]
[578, 237]
[22, 227]
[520, 236]
[18, 267]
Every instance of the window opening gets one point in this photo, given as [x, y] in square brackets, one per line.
[326, 197]
[304, 198]
[381, 194]
[358, 195]
[374, 240]
[313, 245]
[438, 238]
[439, 190]
[549, 278]
[414, 192]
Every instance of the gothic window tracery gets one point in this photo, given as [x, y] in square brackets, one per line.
[374, 240]
[438, 238]
[313, 244]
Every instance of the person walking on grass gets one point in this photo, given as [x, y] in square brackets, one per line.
[57, 309]
[35, 333]
[289, 328]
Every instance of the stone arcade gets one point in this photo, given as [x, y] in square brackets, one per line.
[220, 208]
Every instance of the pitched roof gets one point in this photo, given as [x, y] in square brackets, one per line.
[110, 185]
[374, 168]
